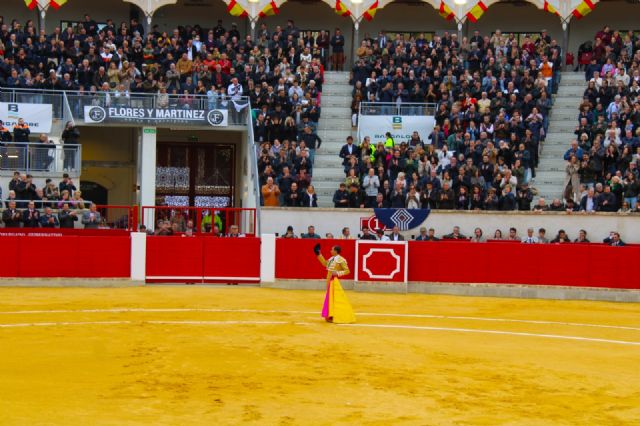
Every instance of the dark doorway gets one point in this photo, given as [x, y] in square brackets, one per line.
[94, 192]
[198, 174]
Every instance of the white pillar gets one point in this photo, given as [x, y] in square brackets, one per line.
[268, 258]
[147, 173]
[138, 256]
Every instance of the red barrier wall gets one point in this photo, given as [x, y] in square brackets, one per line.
[295, 258]
[202, 259]
[584, 265]
[66, 257]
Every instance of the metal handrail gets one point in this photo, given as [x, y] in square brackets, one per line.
[393, 108]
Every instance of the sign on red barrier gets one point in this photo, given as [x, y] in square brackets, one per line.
[381, 261]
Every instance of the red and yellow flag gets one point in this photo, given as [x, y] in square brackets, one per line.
[32, 4]
[341, 9]
[549, 8]
[583, 9]
[235, 9]
[57, 3]
[371, 12]
[269, 10]
[445, 11]
[476, 11]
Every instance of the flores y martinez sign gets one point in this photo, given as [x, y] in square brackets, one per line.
[153, 116]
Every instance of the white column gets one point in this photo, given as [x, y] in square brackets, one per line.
[268, 258]
[138, 256]
[147, 173]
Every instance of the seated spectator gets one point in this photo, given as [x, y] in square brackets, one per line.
[455, 235]
[616, 241]
[289, 233]
[497, 235]
[311, 233]
[431, 236]
[309, 197]
[366, 235]
[562, 237]
[582, 237]
[513, 235]
[477, 236]
[341, 197]
[234, 232]
[530, 238]
[346, 234]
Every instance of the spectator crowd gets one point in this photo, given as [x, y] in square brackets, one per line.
[492, 96]
[54, 206]
[532, 236]
[602, 171]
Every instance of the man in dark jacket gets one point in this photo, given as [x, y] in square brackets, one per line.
[66, 217]
[349, 150]
[356, 197]
[607, 201]
[11, 216]
[341, 197]
[31, 216]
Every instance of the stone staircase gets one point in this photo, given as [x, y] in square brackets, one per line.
[333, 129]
[562, 123]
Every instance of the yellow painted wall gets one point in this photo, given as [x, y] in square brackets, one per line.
[111, 145]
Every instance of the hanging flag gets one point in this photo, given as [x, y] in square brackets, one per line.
[235, 9]
[31, 4]
[269, 10]
[476, 11]
[341, 9]
[583, 9]
[57, 3]
[445, 11]
[371, 12]
[549, 8]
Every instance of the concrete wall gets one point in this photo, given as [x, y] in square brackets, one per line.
[276, 220]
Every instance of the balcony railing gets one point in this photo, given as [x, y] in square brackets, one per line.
[70, 105]
[392, 108]
[41, 158]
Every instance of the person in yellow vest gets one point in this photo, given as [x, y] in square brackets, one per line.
[337, 308]
[389, 143]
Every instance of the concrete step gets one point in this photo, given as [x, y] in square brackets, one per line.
[335, 123]
[333, 135]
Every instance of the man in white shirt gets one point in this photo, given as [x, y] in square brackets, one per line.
[530, 238]
[381, 236]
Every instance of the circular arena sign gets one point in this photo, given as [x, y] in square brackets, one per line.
[215, 117]
[97, 114]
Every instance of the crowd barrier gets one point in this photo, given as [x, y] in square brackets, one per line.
[66, 256]
[202, 259]
[579, 265]
[206, 259]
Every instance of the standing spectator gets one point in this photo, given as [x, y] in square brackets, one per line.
[309, 197]
[21, 131]
[337, 45]
[70, 136]
[371, 184]
[48, 219]
[341, 197]
[11, 216]
[91, 219]
[31, 216]
[67, 185]
[270, 193]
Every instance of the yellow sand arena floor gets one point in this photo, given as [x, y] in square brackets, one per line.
[229, 355]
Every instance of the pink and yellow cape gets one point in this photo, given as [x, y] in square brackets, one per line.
[336, 307]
